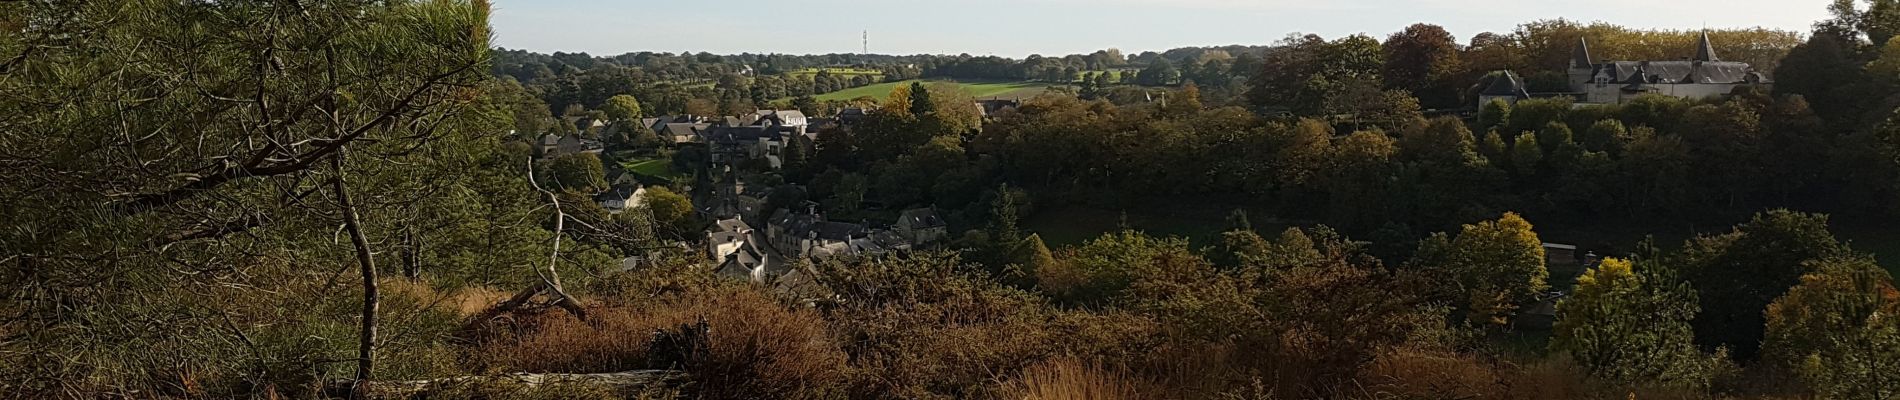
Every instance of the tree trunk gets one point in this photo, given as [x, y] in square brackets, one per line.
[411, 254]
[366, 341]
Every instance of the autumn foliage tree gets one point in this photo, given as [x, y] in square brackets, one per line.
[1738, 274]
[1836, 328]
[1489, 269]
[1631, 326]
[1423, 59]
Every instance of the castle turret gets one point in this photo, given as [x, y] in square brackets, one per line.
[1582, 67]
[1580, 57]
[1705, 50]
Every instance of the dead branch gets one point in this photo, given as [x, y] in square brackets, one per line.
[550, 278]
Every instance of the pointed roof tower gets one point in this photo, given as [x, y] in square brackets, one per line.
[1580, 57]
[1505, 83]
[1704, 50]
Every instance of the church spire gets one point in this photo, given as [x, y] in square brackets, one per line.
[1705, 50]
[1580, 57]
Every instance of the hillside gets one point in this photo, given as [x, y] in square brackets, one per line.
[977, 89]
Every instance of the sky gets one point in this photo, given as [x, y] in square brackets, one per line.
[1018, 28]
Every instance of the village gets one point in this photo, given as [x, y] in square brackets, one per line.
[456, 199]
[727, 158]
[745, 239]
[730, 167]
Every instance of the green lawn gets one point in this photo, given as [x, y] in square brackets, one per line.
[1113, 73]
[658, 168]
[980, 90]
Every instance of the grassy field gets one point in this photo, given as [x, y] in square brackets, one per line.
[979, 90]
[659, 167]
[1113, 73]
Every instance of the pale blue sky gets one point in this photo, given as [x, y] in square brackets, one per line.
[1017, 28]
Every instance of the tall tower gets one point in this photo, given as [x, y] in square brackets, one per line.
[1582, 67]
[867, 42]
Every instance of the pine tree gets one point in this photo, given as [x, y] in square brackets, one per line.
[1630, 326]
[1003, 218]
[920, 104]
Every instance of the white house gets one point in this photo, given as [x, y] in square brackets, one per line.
[787, 118]
[730, 244]
[622, 197]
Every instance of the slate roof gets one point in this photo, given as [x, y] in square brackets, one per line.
[1673, 71]
[1704, 50]
[677, 129]
[803, 225]
[618, 193]
[570, 144]
[730, 225]
[614, 173]
[1506, 84]
[921, 218]
[839, 231]
[1580, 57]
[1704, 68]
[742, 134]
[852, 115]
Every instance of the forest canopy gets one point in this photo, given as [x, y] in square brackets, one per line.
[358, 199]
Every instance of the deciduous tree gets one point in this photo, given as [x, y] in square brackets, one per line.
[1739, 273]
[1837, 328]
[1490, 268]
[1631, 326]
[622, 108]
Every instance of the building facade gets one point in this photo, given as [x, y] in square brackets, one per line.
[1593, 82]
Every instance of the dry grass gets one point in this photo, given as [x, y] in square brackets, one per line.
[1416, 373]
[1413, 373]
[755, 347]
[466, 301]
[1074, 379]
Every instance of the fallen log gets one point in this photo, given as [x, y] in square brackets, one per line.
[621, 383]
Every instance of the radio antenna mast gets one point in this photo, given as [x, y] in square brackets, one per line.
[867, 42]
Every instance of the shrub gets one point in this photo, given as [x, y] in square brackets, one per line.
[755, 347]
[1073, 379]
[926, 326]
